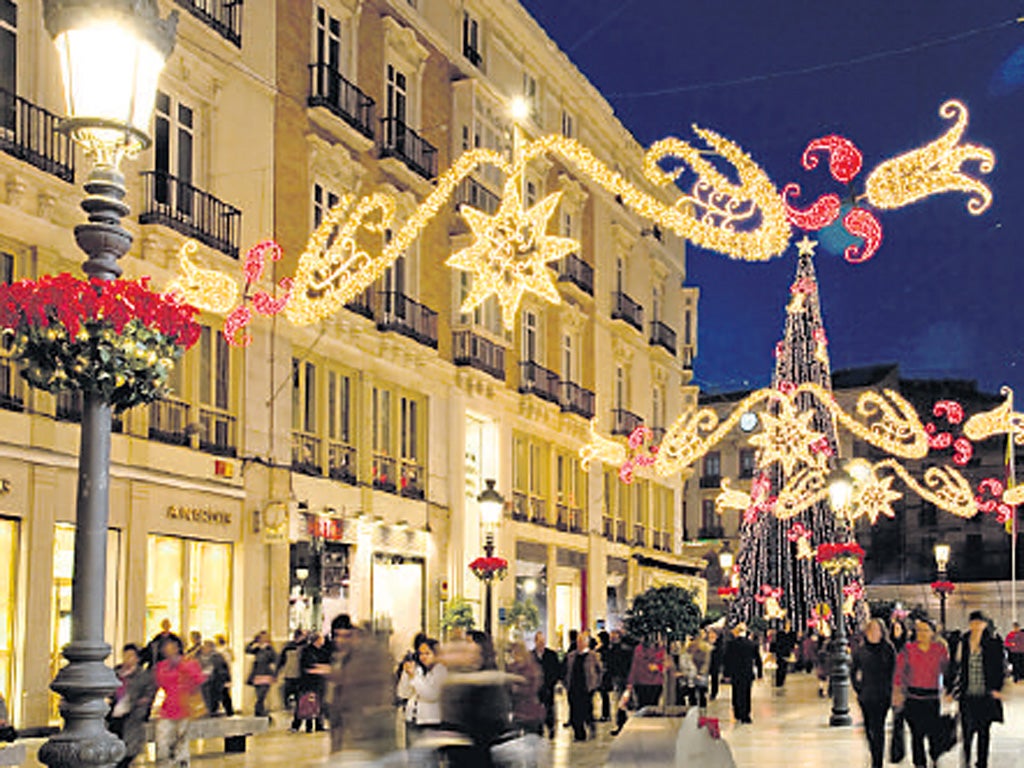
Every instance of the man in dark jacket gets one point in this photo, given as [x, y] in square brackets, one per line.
[552, 670]
[979, 683]
[717, 639]
[782, 648]
[742, 657]
[873, 664]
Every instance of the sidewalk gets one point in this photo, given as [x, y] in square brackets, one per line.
[789, 731]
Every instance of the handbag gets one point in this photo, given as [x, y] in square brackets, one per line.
[898, 738]
[945, 737]
[308, 707]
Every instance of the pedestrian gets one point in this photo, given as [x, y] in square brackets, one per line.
[420, 685]
[978, 686]
[195, 642]
[898, 633]
[742, 658]
[782, 647]
[7, 732]
[823, 665]
[604, 654]
[1015, 648]
[871, 675]
[229, 659]
[582, 678]
[685, 673]
[311, 685]
[525, 689]
[809, 652]
[132, 700]
[216, 675]
[488, 656]
[288, 666]
[154, 649]
[262, 673]
[646, 673]
[917, 683]
[699, 650]
[717, 640]
[180, 679]
[551, 669]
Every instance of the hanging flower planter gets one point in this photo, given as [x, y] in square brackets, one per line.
[728, 593]
[489, 568]
[117, 340]
[840, 558]
[943, 587]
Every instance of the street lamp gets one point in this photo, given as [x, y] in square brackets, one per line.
[111, 53]
[840, 494]
[491, 505]
[942, 552]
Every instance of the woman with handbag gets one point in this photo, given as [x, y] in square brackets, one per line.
[917, 685]
[314, 667]
[873, 665]
[978, 687]
[262, 674]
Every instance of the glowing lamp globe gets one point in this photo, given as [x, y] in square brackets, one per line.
[840, 490]
[491, 504]
[111, 54]
[725, 560]
[942, 556]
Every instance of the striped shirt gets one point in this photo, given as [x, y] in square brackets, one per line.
[975, 674]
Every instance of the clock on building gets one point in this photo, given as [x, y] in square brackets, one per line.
[748, 421]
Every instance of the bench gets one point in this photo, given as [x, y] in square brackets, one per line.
[234, 730]
[12, 754]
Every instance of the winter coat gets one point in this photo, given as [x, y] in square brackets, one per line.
[552, 672]
[591, 670]
[527, 708]
[741, 658]
[180, 682]
[644, 658]
[132, 701]
[423, 692]
[992, 662]
[309, 657]
[288, 663]
[264, 662]
[871, 675]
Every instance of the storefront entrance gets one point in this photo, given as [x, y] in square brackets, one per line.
[8, 579]
[189, 582]
[398, 598]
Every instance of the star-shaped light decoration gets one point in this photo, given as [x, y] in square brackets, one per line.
[510, 254]
[873, 497]
[787, 438]
[806, 246]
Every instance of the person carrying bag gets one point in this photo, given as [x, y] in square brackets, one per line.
[978, 686]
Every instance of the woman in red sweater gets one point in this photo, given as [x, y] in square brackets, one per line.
[917, 686]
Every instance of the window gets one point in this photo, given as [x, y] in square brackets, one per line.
[748, 463]
[382, 422]
[397, 453]
[620, 274]
[530, 348]
[567, 226]
[339, 407]
[621, 388]
[530, 94]
[328, 44]
[323, 201]
[8, 61]
[688, 327]
[173, 152]
[304, 396]
[214, 369]
[174, 564]
[396, 94]
[570, 360]
[656, 304]
[568, 129]
[657, 402]
[487, 316]
[708, 516]
[6, 268]
[713, 464]
[471, 39]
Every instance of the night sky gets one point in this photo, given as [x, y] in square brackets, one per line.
[941, 297]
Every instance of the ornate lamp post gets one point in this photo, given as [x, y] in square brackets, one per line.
[840, 494]
[942, 585]
[491, 505]
[111, 54]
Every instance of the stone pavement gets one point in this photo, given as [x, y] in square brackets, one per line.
[788, 731]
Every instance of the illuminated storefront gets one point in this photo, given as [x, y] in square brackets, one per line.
[8, 605]
[188, 581]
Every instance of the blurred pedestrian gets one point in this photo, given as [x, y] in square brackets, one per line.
[741, 660]
[488, 656]
[7, 732]
[420, 685]
[979, 684]
[898, 633]
[582, 678]
[180, 679]
[289, 668]
[646, 673]
[314, 669]
[262, 672]
[782, 647]
[525, 688]
[1015, 648]
[716, 637]
[363, 711]
[132, 700]
[195, 642]
[229, 659]
[551, 669]
[604, 654]
[154, 649]
[871, 675]
[917, 684]
[216, 675]
[699, 650]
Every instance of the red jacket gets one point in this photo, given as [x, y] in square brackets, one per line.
[640, 672]
[1015, 641]
[179, 682]
[916, 669]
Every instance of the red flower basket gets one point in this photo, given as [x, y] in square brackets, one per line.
[943, 587]
[116, 340]
[489, 568]
[837, 557]
[728, 593]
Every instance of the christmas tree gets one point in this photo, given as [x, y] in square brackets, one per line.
[779, 578]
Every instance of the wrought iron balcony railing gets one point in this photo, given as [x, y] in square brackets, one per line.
[410, 482]
[573, 269]
[177, 204]
[527, 508]
[397, 312]
[474, 194]
[362, 304]
[12, 397]
[217, 432]
[569, 518]
[663, 336]
[29, 133]
[477, 352]
[710, 532]
[306, 454]
[329, 89]
[639, 536]
[68, 407]
[575, 520]
[620, 531]
[624, 308]
[222, 16]
[624, 422]
[537, 380]
[341, 462]
[400, 141]
[710, 481]
[384, 473]
[608, 526]
[168, 421]
[474, 56]
[576, 399]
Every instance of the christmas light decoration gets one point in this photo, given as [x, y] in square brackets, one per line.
[822, 212]
[787, 438]
[951, 409]
[601, 449]
[1000, 420]
[840, 557]
[730, 498]
[844, 162]
[862, 223]
[933, 169]
[208, 290]
[852, 594]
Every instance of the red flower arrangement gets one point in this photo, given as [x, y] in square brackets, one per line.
[728, 593]
[489, 568]
[838, 557]
[117, 340]
[943, 587]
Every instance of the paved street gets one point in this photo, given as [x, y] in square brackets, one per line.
[789, 730]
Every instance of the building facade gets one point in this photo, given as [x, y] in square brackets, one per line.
[335, 467]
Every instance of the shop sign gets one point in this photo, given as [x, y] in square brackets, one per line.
[275, 522]
[198, 515]
[328, 528]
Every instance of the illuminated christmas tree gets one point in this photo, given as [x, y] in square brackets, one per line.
[779, 578]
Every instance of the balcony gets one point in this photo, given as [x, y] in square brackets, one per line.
[410, 481]
[384, 473]
[306, 454]
[474, 194]
[12, 396]
[474, 56]
[663, 336]
[576, 399]
[217, 432]
[223, 17]
[29, 133]
[624, 308]
[561, 517]
[575, 520]
[639, 536]
[69, 406]
[403, 143]
[573, 269]
[177, 204]
[710, 532]
[624, 422]
[620, 531]
[398, 313]
[528, 509]
[341, 462]
[168, 421]
[477, 352]
[536, 380]
[607, 526]
[710, 481]
[328, 89]
[362, 304]
[568, 518]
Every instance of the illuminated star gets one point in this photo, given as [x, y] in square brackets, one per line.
[874, 498]
[806, 246]
[787, 439]
[510, 254]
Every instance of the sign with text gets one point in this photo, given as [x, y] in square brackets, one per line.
[204, 515]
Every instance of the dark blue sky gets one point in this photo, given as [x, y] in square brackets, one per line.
[941, 297]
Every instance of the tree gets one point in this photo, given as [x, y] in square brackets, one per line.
[663, 613]
[523, 615]
[458, 613]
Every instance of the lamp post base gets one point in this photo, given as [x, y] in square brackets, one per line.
[840, 676]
